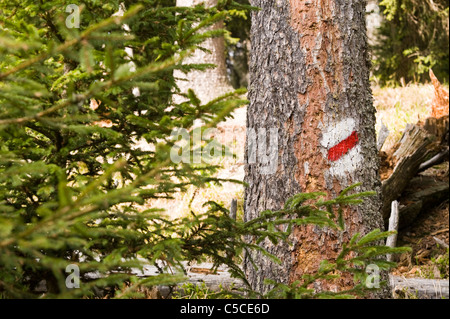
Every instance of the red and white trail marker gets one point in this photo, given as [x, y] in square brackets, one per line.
[343, 147]
[341, 140]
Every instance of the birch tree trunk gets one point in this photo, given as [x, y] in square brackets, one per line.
[309, 83]
[211, 83]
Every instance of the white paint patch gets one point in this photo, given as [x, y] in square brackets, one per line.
[337, 132]
[347, 163]
[306, 168]
[332, 136]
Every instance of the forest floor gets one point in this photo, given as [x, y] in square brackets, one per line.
[396, 107]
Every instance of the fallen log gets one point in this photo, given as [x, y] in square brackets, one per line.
[421, 194]
[422, 146]
[198, 274]
[214, 280]
[400, 287]
[436, 160]
[412, 288]
[408, 155]
[437, 127]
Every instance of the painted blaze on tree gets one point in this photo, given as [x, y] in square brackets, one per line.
[310, 79]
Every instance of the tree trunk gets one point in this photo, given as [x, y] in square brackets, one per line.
[310, 84]
[211, 83]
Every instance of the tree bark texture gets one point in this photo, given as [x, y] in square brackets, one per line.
[310, 80]
[211, 83]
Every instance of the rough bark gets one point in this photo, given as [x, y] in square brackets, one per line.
[211, 83]
[310, 80]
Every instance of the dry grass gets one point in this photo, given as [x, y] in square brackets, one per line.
[399, 106]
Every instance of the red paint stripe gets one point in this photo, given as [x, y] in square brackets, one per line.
[336, 152]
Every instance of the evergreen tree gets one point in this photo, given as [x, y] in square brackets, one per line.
[76, 108]
[238, 47]
[413, 38]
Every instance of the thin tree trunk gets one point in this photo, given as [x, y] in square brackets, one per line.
[211, 83]
[310, 81]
